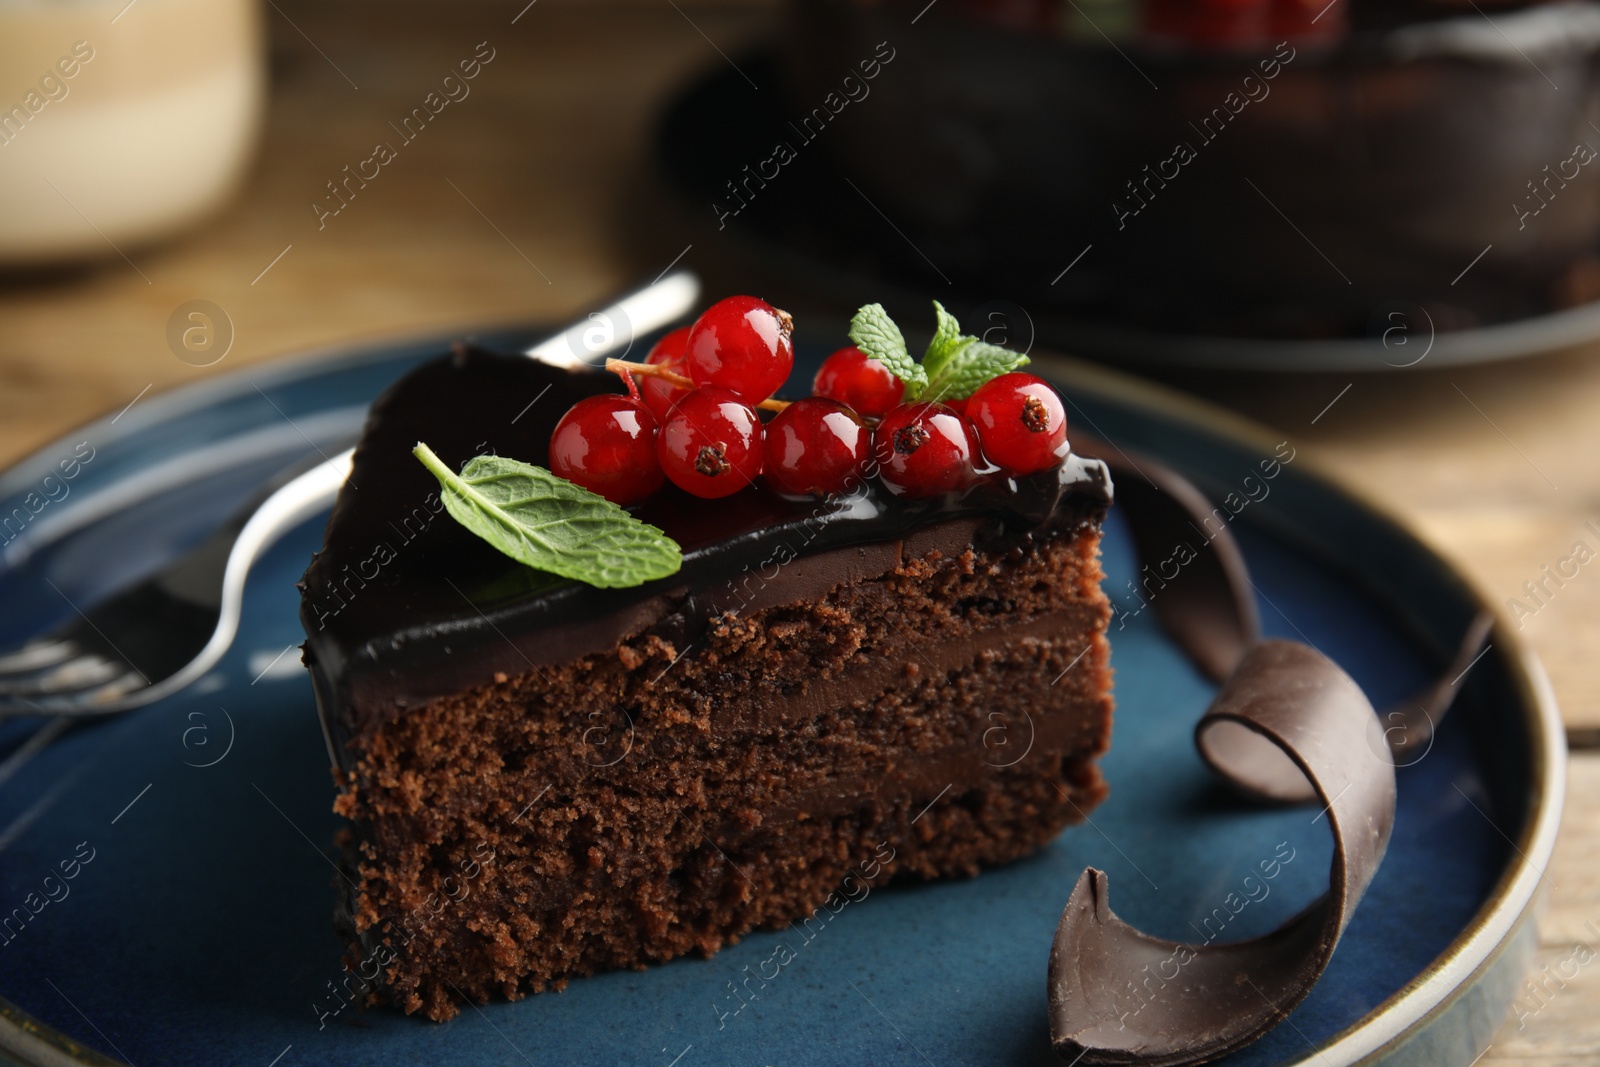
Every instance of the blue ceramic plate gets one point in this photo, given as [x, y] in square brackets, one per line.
[196, 927]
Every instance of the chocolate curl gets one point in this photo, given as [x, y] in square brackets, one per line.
[1287, 720]
[1410, 723]
[1209, 607]
[1288, 725]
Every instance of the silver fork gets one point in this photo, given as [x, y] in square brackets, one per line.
[159, 636]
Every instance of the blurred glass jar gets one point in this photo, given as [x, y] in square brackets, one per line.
[121, 122]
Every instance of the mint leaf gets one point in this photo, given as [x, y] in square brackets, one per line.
[952, 368]
[874, 332]
[974, 363]
[552, 525]
[947, 341]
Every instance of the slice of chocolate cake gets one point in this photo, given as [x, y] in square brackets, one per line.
[547, 779]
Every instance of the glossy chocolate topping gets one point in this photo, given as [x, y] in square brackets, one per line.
[403, 604]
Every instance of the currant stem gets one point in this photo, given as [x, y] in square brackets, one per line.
[651, 370]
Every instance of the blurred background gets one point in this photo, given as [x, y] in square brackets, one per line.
[1370, 226]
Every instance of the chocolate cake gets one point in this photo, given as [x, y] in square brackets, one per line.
[545, 779]
[1400, 138]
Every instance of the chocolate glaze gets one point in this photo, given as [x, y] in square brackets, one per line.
[403, 604]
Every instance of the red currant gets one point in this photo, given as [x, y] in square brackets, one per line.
[816, 446]
[711, 443]
[1211, 23]
[607, 444]
[925, 449]
[660, 395]
[1304, 18]
[1021, 423]
[852, 377]
[742, 344]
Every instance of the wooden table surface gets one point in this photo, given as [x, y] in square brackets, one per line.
[513, 207]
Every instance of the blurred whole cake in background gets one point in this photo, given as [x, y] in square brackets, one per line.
[1267, 168]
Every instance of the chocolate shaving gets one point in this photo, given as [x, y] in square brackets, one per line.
[1209, 609]
[1409, 725]
[1287, 726]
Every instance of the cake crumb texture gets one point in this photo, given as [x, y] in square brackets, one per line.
[630, 807]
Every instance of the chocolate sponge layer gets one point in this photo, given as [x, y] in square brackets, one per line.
[938, 712]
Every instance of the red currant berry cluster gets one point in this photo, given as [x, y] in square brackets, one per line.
[816, 446]
[660, 393]
[741, 344]
[1201, 24]
[856, 380]
[607, 444]
[1013, 424]
[1243, 24]
[710, 444]
[693, 421]
[1021, 423]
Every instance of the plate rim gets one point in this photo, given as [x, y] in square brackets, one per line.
[1390, 1024]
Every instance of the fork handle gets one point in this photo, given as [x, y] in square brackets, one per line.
[241, 541]
[285, 508]
[253, 529]
[282, 510]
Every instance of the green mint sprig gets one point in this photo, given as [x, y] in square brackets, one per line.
[875, 333]
[954, 365]
[947, 341]
[550, 524]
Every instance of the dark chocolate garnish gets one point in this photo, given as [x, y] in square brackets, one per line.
[1287, 726]
[1410, 723]
[1208, 605]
